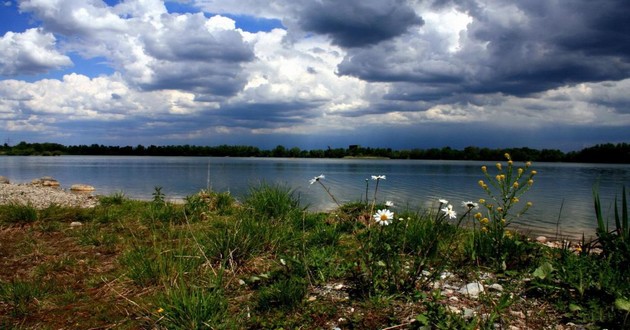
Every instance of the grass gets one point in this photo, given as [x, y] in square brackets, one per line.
[266, 263]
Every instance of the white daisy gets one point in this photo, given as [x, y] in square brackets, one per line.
[383, 217]
[378, 177]
[449, 211]
[317, 178]
[470, 205]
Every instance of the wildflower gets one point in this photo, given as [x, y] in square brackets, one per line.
[478, 215]
[484, 221]
[443, 201]
[160, 310]
[317, 178]
[401, 219]
[534, 173]
[498, 177]
[508, 234]
[503, 221]
[499, 209]
[481, 183]
[515, 200]
[499, 166]
[578, 249]
[383, 217]
[530, 182]
[484, 169]
[470, 205]
[520, 171]
[507, 156]
[378, 177]
[484, 229]
[449, 211]
[389, 204]
[528, 164]
[515, 185]
[529, 204]
[482, 201]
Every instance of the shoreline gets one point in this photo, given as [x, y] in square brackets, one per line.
[42, 196]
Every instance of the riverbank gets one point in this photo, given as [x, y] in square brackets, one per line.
[42, 196]
[264, 263]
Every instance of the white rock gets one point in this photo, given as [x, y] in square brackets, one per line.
[541, 239]
[75, 224]
[472, 289]
[496, 287]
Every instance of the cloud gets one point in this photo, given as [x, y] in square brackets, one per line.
[30, 52]
[515, 48]
[152, 48]
[369, 72]
[359, 23]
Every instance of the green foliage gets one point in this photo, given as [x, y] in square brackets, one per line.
[17, 214]
[21, 296]
[117, 198]
[186, 306]
[285, 293]
[616, 243]
[272, 202]
[493, 243]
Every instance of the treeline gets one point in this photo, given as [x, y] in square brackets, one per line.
[601, 153]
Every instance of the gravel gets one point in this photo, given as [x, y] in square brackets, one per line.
[41, 196]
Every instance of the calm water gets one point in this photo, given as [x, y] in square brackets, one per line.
[561, 191]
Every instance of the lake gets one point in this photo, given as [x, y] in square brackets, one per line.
[562, 193]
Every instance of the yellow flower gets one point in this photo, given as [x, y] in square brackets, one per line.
[484, 221]
[481, 183]
[528, 164]
[499, 166]
[508, 234]
[515, 200]
[498, 177]
[482, 201]
[484, 169]
[477, 215]
[499, 209]
[530, 182]
[507, 156]
[160, 310]
[510, 163]
[515, 185]
[503, 221]
[520, 171]
[484, 229]
[529, 204]
[534, 173]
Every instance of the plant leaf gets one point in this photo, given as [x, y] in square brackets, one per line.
[623, 304]
[543, 271]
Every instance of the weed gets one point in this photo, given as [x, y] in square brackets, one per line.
[17, 214]
[21, 296]
[184, 306]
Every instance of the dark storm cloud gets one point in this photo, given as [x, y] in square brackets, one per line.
[359, 23]
[531, 46]
[267, 115]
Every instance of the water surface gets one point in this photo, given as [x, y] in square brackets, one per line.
[562, 193]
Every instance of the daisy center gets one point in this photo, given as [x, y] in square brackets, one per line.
[384, 217]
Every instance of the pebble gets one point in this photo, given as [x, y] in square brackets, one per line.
[42, 197]
[75, 224]
[472, 289]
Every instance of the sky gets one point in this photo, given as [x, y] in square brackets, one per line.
[315, 74]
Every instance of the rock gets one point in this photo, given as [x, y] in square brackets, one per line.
[496, 287]
[81, 187]
[46, 181]
[472, 289]
[541, 239]
[4, 180]
[468, 313]
[75, 224]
